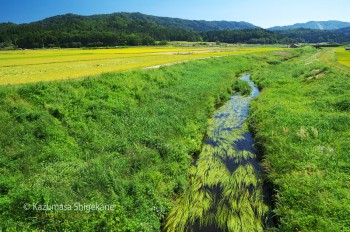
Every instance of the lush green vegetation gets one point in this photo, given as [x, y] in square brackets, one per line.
[317, 25]
[225, 190]
[345, 30]
[121, 139]
[99, 30]
[261, 36]
[241, 87]
[135, 29]
[217, 196]
[302, 35]
[125, 139]
[197, 25]
[256, 36]
[301, 122]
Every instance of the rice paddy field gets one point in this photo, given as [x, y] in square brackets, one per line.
[342, 56]
[27, 66]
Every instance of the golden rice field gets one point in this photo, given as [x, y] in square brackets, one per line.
[25, 66]
[342, 56]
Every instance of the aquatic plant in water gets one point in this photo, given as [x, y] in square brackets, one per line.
[225, 189]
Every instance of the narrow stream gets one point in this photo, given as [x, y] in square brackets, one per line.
[225, 192]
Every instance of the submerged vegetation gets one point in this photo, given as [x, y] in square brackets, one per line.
[224, 190]
[229, 200]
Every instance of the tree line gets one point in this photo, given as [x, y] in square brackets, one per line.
[78, 31]
[135, 29]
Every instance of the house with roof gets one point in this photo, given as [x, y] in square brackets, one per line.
[294, 46]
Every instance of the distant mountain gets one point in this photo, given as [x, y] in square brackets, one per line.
[345, 31]
[305, 35]
[317, 25]
[133, 29]
[116, 29]
[70, 30]
[201, 25]
[195, 25]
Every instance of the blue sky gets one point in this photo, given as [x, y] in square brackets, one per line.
[261, 13]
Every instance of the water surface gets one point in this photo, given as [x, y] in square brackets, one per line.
[225, 192]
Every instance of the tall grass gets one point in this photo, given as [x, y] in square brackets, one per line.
[301, 122]
[123, 139]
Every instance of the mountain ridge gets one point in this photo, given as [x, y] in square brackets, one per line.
[134, 29]
[196, 25]
[345, 30]
[318, 25]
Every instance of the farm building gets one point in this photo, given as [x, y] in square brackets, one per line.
[294, 46]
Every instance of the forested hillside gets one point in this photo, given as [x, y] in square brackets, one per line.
[319, 25]
[100, 30]
[345, 30]
[133, 29]
[314, 36]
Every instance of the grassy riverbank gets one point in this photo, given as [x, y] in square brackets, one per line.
[125, 139]
[302, 122]
[122, 139]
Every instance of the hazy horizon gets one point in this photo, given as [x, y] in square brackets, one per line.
[263, 14]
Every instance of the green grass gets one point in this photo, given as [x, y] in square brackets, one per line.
[302, 122]
[241, 87]
[126, 139]
[122, 138]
